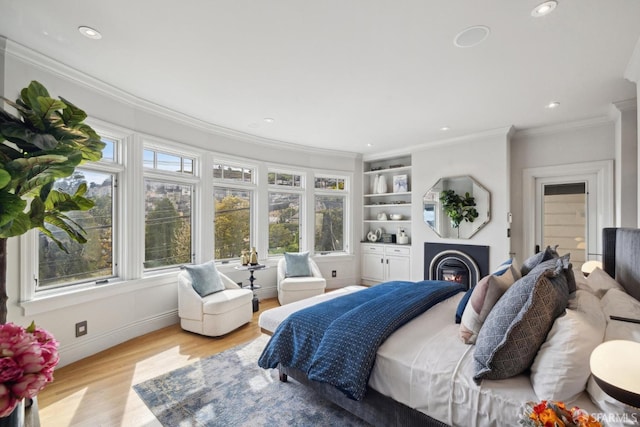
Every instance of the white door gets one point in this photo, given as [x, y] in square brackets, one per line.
[398, 268]
[566, 216]
[373, 266]
[597, 202]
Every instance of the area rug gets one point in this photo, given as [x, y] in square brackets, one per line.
[230, 389]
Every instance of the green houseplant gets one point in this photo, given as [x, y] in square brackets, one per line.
[458, 208]
[47, 141]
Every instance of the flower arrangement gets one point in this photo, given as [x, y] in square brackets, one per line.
[555, 414]
[27, 359]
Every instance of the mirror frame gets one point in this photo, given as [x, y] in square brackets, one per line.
[435, 217]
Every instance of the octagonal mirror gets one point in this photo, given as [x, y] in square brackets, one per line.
[456, 207]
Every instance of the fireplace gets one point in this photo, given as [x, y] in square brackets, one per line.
[465, 264]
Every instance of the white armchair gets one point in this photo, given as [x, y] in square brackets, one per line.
[292, 289]
[215, 314]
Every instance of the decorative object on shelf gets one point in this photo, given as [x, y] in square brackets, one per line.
[382, 185]
[615, 367]
[374, 236]
[458, 208]
[374, 189]
[244, 258]
[555, 414]
[402, 238]
[49, 132]
[27, 361]
[382, 216]
[253, 258]
[400, 184]
[388, 238]
[396, 217]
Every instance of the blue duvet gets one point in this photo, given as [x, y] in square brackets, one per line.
[336, 341]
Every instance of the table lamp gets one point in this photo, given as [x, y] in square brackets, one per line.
[615, 366]
[589, 266]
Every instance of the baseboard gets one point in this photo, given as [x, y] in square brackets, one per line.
[92, 345]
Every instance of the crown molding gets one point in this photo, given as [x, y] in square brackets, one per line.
[51, 65]
[563, 127]
[626, 105]
[632, 73]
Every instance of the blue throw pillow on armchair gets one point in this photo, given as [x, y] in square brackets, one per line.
[205, 278]
[297, 264]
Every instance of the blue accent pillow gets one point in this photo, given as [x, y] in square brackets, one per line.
[502, 268]
[297, 264]
[205, 278]
[462, 305]
[531, 262]
[519, 323]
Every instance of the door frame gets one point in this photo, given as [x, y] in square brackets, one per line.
[604, 196]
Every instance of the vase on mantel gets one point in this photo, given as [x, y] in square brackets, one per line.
[15, 418]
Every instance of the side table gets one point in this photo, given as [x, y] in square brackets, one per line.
[252, 286]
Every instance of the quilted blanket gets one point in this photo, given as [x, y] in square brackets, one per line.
[336, 341]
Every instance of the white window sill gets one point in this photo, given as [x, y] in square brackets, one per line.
[59, 299]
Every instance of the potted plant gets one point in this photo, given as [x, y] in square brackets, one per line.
[48, 141]
[458, 208]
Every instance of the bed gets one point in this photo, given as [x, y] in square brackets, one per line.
[423, 373]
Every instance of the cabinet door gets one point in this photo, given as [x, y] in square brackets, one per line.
[398, 268]
[373, 267]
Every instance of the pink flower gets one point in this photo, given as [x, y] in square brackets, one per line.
[27, 360]
[7, 401]
[29, 385]
[9, 370]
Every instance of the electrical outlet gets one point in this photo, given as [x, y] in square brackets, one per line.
[81, 328]
[334, 273]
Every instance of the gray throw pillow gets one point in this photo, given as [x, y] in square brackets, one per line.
[519, 323]
[205, 278]
[297, 264]
[531, 262]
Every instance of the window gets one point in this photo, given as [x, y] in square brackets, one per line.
[284, 222]
[83, 262]
[233, 193]
[167, 162]
[330, 212]
[167, 235]
[284, 179]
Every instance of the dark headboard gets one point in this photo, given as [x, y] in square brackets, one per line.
[621, 257]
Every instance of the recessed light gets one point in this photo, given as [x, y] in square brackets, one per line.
[552, 105]
[90, 32]
[544, 9]
[445, 128]
[369, 144]
[471, 36]
[269, 120]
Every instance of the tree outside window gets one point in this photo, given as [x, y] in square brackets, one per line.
[284, 222]
[329, 223]
[92, 260]
[232, 221]
[167, 224]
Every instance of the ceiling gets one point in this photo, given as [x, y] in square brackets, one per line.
[363, 76]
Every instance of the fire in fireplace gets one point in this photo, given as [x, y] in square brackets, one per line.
[453, 270]
[465, 264]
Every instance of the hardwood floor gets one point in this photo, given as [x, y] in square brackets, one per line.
[97, 391]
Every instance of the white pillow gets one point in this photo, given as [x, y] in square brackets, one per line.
[620, 303]
[561, 368]
[601, 282]
[581, 281]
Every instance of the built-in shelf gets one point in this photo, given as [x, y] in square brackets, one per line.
[404, 193]
[388, 170]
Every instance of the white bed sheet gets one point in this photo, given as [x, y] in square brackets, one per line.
[425, 366]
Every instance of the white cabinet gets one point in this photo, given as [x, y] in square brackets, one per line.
[382, 263]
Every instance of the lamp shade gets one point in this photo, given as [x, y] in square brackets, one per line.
[615, 366]
[589, 266]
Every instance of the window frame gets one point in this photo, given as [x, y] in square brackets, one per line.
[302, 211]
[344, 193]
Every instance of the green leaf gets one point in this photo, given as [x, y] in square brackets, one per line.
[72, 115]
[5, 178]
[18, 226]
[11, 206]
[31, 93]
[49, 105]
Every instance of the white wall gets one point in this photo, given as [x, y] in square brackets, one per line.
[626, 154]
[118, 312]
[485, 158]
[577, 143]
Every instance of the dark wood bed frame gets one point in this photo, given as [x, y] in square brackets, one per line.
[621, 259]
